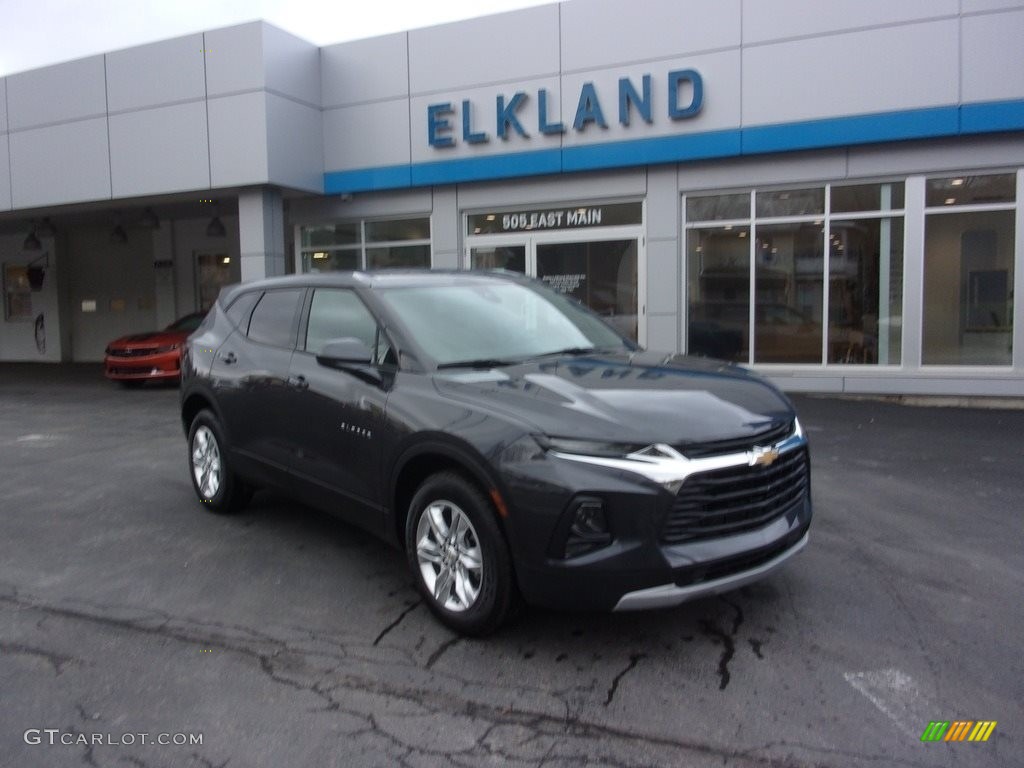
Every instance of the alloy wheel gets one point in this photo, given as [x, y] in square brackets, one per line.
[206, 465]
[449, 556]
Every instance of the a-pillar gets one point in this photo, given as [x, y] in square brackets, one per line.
[261, 233]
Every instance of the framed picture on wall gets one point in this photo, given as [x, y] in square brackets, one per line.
[17, 293]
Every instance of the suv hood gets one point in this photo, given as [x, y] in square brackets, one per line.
[643, 398]
[159, 338]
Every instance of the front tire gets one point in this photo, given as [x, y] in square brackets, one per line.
[213, 479]
[458, 555]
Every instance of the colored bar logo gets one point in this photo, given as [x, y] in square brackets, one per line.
[958, 730]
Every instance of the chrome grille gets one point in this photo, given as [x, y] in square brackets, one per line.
[774, 434]
[728, 501]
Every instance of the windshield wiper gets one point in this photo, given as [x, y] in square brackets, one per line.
[484, 362]
[573, 351]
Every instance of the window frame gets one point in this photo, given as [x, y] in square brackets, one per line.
[364, 245]
[824, 220]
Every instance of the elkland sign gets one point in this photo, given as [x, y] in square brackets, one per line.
[685, 99]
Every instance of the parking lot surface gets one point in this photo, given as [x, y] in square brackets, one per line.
[282, 637]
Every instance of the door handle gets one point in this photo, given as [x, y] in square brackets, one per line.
[228, 358]
[299, 382]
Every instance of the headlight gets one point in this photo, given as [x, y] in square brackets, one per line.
[600, 448]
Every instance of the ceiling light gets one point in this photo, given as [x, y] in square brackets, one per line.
[226, 260]
[490, 217]
[958, 182]
[743, 233]
[950, 200]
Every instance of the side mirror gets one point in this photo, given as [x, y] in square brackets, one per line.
[348, 351]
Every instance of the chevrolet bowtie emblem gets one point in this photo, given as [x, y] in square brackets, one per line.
[763, 457]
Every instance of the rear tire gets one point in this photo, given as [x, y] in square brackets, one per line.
[458, 555]
[219, 489]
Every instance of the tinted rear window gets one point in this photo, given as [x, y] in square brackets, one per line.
[238, 312]
[273, 320]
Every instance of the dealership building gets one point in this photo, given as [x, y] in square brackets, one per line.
[827, 192]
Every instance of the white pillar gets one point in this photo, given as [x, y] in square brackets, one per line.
[261, 233]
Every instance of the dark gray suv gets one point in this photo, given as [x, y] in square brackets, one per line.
[516, 446]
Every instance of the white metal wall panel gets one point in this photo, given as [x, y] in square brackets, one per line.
[376, 69]
[936, 157]
[234, 60]
[292, 66]
[765, 170]
[978, 6]
[598, 33]
[152, 75]
[662, 332]
[663, 279]
[3, 104]
[993, 63]
[879, 70]
[71, 91]
[159, 150]
[367, 135]
[5, 174]
[238, 140]
[626, 184]
[66, 163]
[295, 144]
[720, 73]
[765, 20]
[392, 204]
[484, 118]
[506, 47]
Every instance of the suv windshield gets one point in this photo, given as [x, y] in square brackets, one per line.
[496, 322]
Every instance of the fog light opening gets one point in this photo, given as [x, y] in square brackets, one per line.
[589, 528]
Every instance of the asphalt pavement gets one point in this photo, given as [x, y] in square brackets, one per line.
[282, 637]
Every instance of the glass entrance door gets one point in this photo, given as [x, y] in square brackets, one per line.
[511, 257]
[601, 275]
[594, 253]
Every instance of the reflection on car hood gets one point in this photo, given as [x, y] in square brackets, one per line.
[158, 338]
[643, 398]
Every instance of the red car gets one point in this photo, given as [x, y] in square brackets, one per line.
[154, 356]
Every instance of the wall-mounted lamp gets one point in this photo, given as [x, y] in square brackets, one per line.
[31, 242]
[36, 272]
[46, 228]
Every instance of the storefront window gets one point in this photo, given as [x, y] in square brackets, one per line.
[788, 300]
[391, 243]
[969, 272]
[718, 263]
[865, 305]
[785, 241]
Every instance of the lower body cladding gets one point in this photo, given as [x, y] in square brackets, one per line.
[599, 538]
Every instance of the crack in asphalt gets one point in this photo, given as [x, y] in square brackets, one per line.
[56, 660]
[409, 609]
[727, 640]
[577, 738]
[441, 650]
[634, 659]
